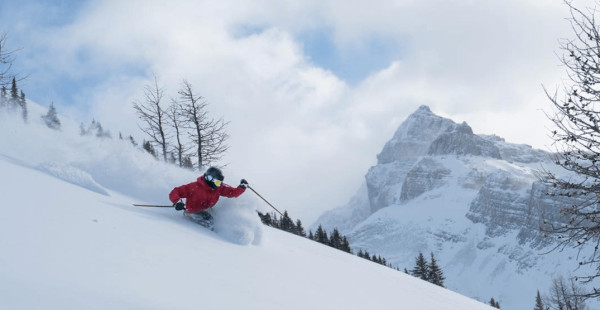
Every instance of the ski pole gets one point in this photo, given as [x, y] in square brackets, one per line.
[263, 199]
[152, 206]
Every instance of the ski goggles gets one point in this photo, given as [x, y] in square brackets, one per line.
[217, 182]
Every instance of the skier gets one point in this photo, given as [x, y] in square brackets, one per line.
[204, 194]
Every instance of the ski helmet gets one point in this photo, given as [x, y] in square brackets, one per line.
[213, 177]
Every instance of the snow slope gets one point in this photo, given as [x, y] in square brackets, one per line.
[71, 239]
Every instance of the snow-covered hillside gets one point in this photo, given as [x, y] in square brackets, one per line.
[472, 200]
[71, 239]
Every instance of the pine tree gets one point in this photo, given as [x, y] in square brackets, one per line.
[149, 148]
[321, 235]
[299, 229]
[131, 139]
[120, 136]
[539, 305]
[23, 104]
[346, 245]
[406, 271]
[360, 253]
[82, 130]
[276, 221]
[310, 235]
[3, 97]
[497, 304]
[493, 302]
[51, 118]
[336, 239]
[367, 255]
[100, 132]
[287, 224]
[421, 269]
[187, 163]
[14, 95]
[436, 276]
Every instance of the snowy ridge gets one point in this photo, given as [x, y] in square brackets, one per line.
[473, 200]
[71, 239]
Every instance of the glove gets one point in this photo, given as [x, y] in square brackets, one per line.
[243, 183]
[179, 206]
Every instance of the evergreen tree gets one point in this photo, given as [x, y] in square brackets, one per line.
[539, 305]
[276, 221]
[497, 304]
[23, 104]
[336, 239]
[299, 229]
[321, 235]
[360, 253]
[421, 269]
[131, 139]
[51, 118]
[346, 245]
[100, 132]
[436, 276]
[310, 235]
[147, 146]
[265, 218]
[406, 271]
[120, 136]
[3, 97]
[187, 163]
[492, 302]
[287, 224]
[14, 95]
[366, 255]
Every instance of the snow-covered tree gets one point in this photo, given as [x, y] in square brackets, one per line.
[51, 118]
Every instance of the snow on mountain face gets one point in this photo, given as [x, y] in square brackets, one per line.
[472, 200]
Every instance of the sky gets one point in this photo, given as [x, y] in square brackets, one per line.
[312, 89]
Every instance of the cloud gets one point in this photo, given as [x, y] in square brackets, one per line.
[301, 133]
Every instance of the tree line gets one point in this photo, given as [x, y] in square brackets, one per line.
[333, 239]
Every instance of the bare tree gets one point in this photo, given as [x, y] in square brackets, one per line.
[577, 140]
[152, 114]
[207, 134]
[7, 57]
[175, 116]
[565, 295]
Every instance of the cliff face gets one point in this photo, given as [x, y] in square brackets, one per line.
[471, 199]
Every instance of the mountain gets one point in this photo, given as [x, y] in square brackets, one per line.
[472, 200]
[71, 239]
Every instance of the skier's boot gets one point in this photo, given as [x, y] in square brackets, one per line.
[203, 218]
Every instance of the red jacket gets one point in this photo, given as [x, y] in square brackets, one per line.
[199, 196]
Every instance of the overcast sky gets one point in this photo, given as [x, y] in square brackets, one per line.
[313, 89]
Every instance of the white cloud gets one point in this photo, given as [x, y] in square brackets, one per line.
[302, 134]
